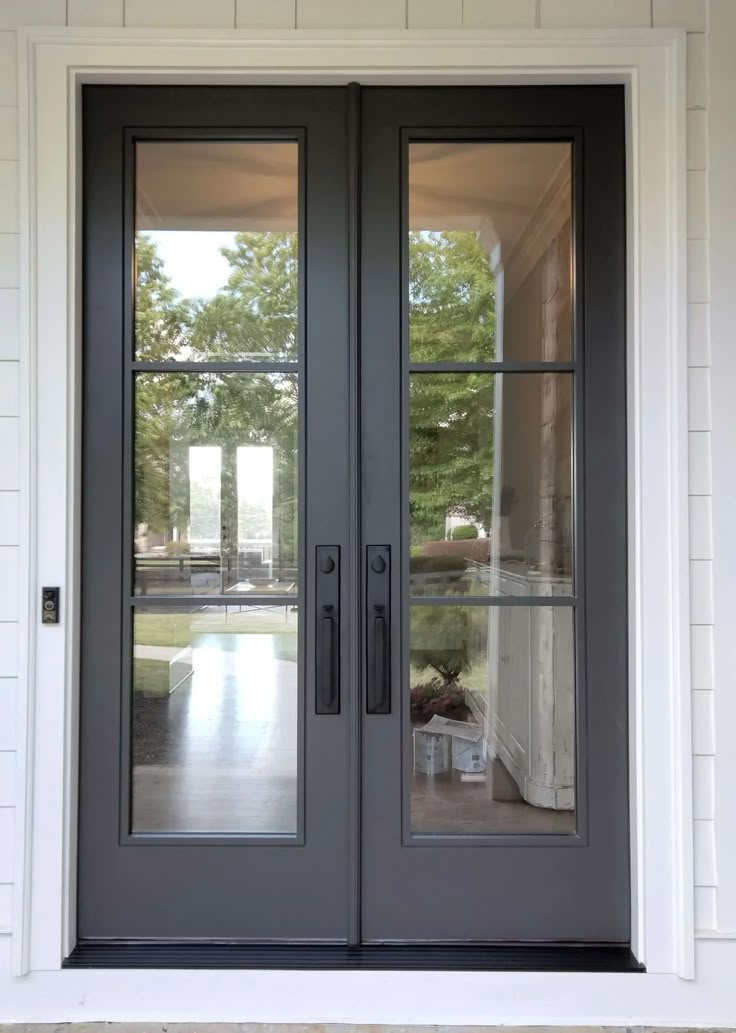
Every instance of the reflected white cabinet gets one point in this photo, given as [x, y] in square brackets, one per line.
[530, 708]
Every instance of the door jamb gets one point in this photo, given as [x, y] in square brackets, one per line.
[53, 63]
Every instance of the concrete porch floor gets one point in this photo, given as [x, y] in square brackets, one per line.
[262, 1027]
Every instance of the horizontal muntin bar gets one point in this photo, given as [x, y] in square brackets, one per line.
[198, 601]
[493, 600]
[215, 367]
[492, 367]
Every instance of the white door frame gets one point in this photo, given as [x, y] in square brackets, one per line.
[53, 63]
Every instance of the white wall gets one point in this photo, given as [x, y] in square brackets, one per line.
[711, 483]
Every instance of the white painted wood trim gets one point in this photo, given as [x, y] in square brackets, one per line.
[53, 63]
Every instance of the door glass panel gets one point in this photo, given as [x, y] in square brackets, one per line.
[215, 718]
[490, 484]
[490, 488]
[490, 252]
[216, 483]
[492, 707]
[216, 251]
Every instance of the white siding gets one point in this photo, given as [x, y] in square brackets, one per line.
[434, 14]
[595, 14]
[32, 12]
[692, 16]
[499, 14]
[190, 14]
[721, 171]
[681, 14]
[336, 14]
[254, 14]
[388, 14]
[95, 12]
[9, 438]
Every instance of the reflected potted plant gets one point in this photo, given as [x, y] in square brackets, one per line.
[444, 642]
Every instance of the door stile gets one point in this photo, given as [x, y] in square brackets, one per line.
[354, 608]
[160, 872]
[573, 859]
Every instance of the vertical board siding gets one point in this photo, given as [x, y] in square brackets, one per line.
[690, 15]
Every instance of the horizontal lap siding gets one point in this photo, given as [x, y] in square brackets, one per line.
[9, 459]
[692, 16]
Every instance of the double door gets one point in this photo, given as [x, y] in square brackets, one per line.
[353, 647]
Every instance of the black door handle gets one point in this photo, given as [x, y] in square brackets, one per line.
[377, 702]
[327, 653]
[378, 637]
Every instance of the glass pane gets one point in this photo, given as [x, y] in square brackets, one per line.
[492, 703]
[216, 473]
[215, 720]
[490, 251]
[490, 483]
[216, 259]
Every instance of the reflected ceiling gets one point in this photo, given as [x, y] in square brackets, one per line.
[491, 188]
[487, 187]
[203, 185]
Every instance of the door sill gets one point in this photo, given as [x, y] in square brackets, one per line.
[546, 957]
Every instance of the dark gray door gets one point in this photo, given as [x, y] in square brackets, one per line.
[494, 445]
[212, 801]
[354, 604]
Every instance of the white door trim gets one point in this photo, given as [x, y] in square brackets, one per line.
[52, 65]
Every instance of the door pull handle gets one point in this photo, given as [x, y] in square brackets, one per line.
[378, 637]
[327, 647]
[327, 653]
[379, 676]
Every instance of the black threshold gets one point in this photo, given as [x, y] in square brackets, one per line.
[480, 958]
